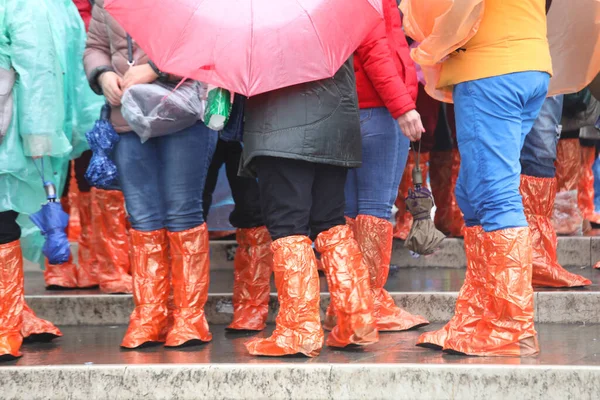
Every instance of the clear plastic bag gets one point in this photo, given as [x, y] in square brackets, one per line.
[159, 109]
[567, 218]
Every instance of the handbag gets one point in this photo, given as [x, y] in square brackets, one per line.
[161, 108]
[7, 81]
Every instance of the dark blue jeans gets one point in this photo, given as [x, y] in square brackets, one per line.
[163, 179]
[372, 188]
[539, 150]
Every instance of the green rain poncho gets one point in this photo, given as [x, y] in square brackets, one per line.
[43, 41]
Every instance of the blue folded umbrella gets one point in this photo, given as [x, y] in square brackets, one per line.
[53, 221]
[102, 171]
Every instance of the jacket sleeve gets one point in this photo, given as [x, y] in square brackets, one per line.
[97, 56]
[378, 63]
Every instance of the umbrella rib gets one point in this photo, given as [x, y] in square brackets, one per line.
[316, 31]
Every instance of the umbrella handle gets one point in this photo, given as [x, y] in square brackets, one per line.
[417, 175]
[50, 191]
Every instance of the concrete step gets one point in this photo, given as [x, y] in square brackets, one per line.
[580, 251]
[88, 364]
[430, 292]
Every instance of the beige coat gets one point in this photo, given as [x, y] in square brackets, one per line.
[106, 50]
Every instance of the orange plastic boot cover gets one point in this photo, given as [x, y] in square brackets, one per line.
[112, 241]
[88, 263]
[403, 217]
[506, 328]
[471, 297]
[62, 276]
[538, 201]
[150, 270]
[441, 187]
[190, 276]
[348, 280]
[458, 221]
[35, 329]
[597, 265]
[253, 264]
[374, 236]
[11, 295]
[585, 192]
[298, 322]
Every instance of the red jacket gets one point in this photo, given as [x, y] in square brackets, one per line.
[385, 73]
[85, 10]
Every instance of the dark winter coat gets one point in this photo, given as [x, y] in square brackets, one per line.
[316, 122]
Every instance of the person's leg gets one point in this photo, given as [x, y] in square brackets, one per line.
[138, 166]
[493, 116]
[253, 260]
[286, 199]
[212, 177]
[347, 275]
[184, 160]
[538, 189]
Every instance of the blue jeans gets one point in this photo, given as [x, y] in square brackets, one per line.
[372, 188]
[493, 117]
[539, 151]
[163, 179]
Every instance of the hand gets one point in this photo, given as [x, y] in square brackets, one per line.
[112, 87]
[139, 74]
[411, 125]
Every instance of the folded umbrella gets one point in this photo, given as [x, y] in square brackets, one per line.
[424, 238]
[102, 171]
[52, 222]
[248, 46]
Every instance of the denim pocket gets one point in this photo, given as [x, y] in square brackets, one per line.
[365, 115]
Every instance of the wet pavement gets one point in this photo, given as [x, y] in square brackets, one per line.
[400, 280]
[561, 345]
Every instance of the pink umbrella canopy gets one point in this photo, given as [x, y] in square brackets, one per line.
[248, 46]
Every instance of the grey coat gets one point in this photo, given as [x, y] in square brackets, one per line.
[316, 122]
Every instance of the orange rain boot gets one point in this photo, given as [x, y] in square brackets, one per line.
[87, 260]
[458, 222]
[538, 201]
[112, 241]
[150, 269]
[471, 298]
[374, 236]
[190, 277]
[35, 329]
[252, 264]
[11, 300]
[506, 327]
[298, 321]
[585, 189]
[348, 281]
[441, 189]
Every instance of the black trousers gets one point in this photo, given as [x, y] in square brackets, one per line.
[81, 165]
[300, 197]
[246, 213]
[9, 229]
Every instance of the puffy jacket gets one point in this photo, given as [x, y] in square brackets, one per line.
[106, 50]
[316, 122]
[385, 74]
[85, 10]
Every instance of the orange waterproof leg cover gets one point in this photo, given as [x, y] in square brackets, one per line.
[253, 264]
[87, 260]
[150, 269]
[11, 299]
[585, 190]
[441, 188]
[36, 329]
[298, 322]
[471, 298]
[403, 217]
[538, 200]
[374, 236]
[62, 276]
[190, 277]
[112, 241]
[506, 328]
[348, 280]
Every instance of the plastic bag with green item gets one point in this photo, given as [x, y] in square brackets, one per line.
[218, 107]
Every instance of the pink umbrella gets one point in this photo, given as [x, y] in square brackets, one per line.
[248, 46]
